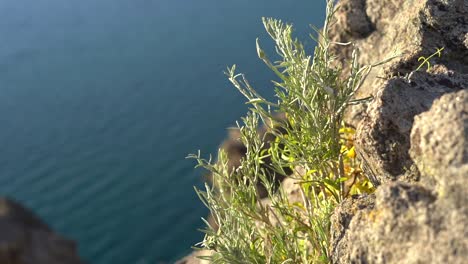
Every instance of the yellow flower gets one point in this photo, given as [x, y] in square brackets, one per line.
[347, 130]
[351, 153]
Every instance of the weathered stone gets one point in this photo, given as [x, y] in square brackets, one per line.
[415, 28]
[439, 147]
[352, 21]
[407, 224]
[415, 129]
[409, 28]
[25, 239]
[412, 29]
[439, 138]
[354, 207]
[410, 223]
[383, 136]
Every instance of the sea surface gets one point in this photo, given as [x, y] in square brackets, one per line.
[102, 100]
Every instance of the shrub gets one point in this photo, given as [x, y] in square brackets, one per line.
[313, 95]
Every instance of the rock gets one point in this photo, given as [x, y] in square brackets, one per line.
[412, 137]
[404, 223]
[439, 147]
[380, 29]
[25, 239]
[383, 135]
[355, 207]
[352, 21]
[439, 138]
[407, 222]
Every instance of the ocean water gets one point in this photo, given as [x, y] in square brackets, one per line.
[101, 100]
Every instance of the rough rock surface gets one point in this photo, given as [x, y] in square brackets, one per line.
[25, 239]
[439, 147]
[440, 135]
[406, 223]
[380, 29]
[413, 137]
[383, 136]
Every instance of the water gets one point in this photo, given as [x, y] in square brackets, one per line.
[101, 100]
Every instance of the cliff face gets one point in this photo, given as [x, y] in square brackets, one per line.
[25, 239]
[412, 137]
[413, 29]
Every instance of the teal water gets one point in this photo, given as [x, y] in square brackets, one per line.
[101, 100]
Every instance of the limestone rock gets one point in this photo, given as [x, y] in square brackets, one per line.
[25, 239]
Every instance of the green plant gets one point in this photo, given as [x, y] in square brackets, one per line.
[426, 61]
[313, 94]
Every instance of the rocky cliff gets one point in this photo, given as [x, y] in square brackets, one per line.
[25, 239]
[412, 137]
